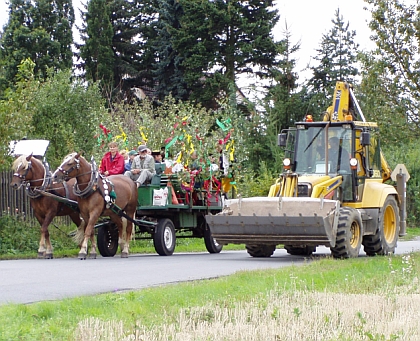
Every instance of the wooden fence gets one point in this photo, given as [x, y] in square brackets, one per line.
[14, 202]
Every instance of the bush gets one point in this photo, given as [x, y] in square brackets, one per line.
[20, 235]
[256, 185]
[17, 235]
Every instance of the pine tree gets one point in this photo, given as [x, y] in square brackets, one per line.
[168, 69]
[283, 106]
[97, 51]
[337, 58]
[121, 33]
[218, 40]
[39, 30]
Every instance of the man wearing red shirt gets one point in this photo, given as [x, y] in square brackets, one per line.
[113, 162]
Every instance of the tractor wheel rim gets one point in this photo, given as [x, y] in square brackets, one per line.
[389, 224]
[355, 235]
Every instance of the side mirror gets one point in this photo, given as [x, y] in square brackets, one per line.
[282, 139]
[365, 138]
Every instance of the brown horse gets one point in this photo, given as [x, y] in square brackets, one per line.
[99, 196]
[30, 171]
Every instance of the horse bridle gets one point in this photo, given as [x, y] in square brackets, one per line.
[71, 169]
[23, 176]
[45, 183]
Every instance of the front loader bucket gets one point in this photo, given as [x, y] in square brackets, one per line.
[278, 220]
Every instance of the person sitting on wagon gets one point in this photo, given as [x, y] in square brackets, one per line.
[113, 162]
[142, 168]
[157, 155]
[131, 155]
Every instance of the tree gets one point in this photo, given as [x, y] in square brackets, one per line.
[15, 115]
[218, 40]
[131, 58]
[391, 77]
[39, 30]
[97, 51]
[337, 58]
[283, 106]
[169, 73]
[67, 113]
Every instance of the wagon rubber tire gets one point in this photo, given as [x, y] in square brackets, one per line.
[349, 234]
[384, 241]
[164, 237]
[212, 245]
[305, 250]
[260, 251]
[107, 240]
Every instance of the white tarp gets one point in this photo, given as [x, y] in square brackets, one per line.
[26, 147]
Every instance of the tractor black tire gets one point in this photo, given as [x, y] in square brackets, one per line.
[107, 240]
[384, 241]
[260, 251]
[164, 237]
[305, 250]
[212, 245]
[349, 234]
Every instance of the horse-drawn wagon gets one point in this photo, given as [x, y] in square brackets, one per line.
[163, 219]
[152, 209]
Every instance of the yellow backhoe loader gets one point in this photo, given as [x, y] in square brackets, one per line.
[331, 192]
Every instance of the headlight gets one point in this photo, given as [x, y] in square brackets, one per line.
[353, 163]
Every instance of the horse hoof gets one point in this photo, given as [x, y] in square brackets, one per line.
[49, 256]
[92, 256]
[124, 255]
[41, 255]
[82, 256]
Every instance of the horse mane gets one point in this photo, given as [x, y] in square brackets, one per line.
[69, 156]
[20, 161]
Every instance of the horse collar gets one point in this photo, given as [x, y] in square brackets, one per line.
[92, 185]
[109, 193]
[45, 183]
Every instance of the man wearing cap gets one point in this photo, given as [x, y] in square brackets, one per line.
[131, 155]
[142, 168]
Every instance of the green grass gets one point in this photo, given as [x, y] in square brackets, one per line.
[161, 306]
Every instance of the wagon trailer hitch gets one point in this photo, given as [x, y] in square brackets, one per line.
[140, 223]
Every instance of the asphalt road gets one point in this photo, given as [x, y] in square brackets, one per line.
[27, 281]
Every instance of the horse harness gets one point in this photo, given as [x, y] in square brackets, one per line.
[108, 192]
[36, 192]
[31, 191]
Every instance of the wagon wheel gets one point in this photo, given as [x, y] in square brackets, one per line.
[107, 240]
[164, 237]
[212, 245]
